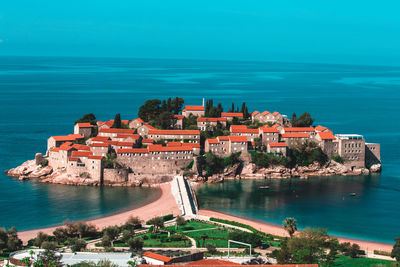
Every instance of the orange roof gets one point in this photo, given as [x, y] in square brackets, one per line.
[95, 157]
[223, 138]
[84, 125]
[157, 256]
[125, 121]
[70, 137]
[275, 113]
[232, 114]
[193, 108]
[277, 144]
[149, 126]
[254, 113]
[326, 136]
[55, 149]
[192, 145]
[108, 123]
[174, 144]
[175, 132]
[139, 120]
[125, 144]
[81, 153]
[295, 135]
[72, 159]
[299, 129]
[179, 117]
[113, 143]
[211, 262]
[253, 131]
[211, 119]
[100, 138]
[267, 129]
[212, 141]
[275, 125]
[99, 145]
[117, 131]
[160, 148]
[147, 141]
[237, 139]
[238, 127]
[320, 128]
[132, 150]
[81, 147]
[133, 136]
[265, 113]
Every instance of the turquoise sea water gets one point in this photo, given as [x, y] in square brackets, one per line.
[41, 96]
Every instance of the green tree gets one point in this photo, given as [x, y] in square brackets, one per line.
[176, 105]
[13, 242]
[157, 222]
[211, 248]
[132, 224]
[180, 221]
[112, 232]
[396, 250]
[136, 244]
[150, 110]
[61, 234]
[165, 120]
[338, 158]
[40, 238]
[304, 120]
[48, 257]
[290, 226]
[91, 118]
[3, 239]
[203, 237]
[78, 244]
[117, 122]
[49, 245]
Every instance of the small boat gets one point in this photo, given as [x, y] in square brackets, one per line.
[353, 194]
[264, 187]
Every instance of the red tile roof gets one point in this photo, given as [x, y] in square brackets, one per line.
[70, 137]
[251, 131]
[212, 141]
[277, 144]
[149, 126]
[326, 136]
[133, 136]
[238, 127]
[254, 113]
[179, 117]
[139, 120]
[265, 113]
[81, 153]
[175, 132]
[159, 148]
[210, 119]
[81, 147]
[147, 141]
[113, 143]
[84, 125]
[320, 128]
[130, 144]
[266, 129]
[295, 135]
[232, 114]
[55, 149]
[117, 131]
[99, 145]
[95, 157]
[223, 138]
[194, 108]
[236, 139]
[211, 262]
[275, 113]
[157, 256]
[299, 129]
[192, 145]
[72, 159]
[174, 144]
[100, 138]
[132, 150]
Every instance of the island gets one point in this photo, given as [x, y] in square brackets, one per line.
[201, 142]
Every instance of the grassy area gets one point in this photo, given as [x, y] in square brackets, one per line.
[192, 225]
[161, 240]
[363, 262]
[218, 237]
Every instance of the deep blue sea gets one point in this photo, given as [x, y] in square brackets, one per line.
[42, 96]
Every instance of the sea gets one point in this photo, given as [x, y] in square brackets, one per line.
[43, 96]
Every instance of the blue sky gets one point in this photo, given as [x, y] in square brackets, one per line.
[366, 32]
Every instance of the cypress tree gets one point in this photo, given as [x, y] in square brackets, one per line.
[117, 122]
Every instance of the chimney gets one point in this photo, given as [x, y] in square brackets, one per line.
[203, 101]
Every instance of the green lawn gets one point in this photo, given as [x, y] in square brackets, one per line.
[218, 237]
[163, 242]
[363, 262]
[192, 225]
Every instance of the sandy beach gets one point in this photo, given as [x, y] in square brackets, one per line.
[164, 205]
[276, 230]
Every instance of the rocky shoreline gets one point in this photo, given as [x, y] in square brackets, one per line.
[31, 170]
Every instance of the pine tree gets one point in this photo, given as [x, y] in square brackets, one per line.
[117, 122]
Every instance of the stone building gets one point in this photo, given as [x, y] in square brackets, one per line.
[224, 146]
[267, 117]
[250, 134]
[351, 147]
[178, 122]
[100, 149]
[192, 136]
[328, 143]
[277, 148]
[308, 130]
[84, 164]
[293, 139]
[156, 159]
[56, 141]
[85, 129]
[143, 130]
[230, 115]
[269, 135]
[210, 124]
[97, 139]
[136, 123]
[372, 154]
[197, 111]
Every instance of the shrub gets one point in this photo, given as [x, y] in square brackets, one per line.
[168, 217]
[338, 158]
[44, 163]
[211, 248]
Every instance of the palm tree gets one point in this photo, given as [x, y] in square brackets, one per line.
[290, 225]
